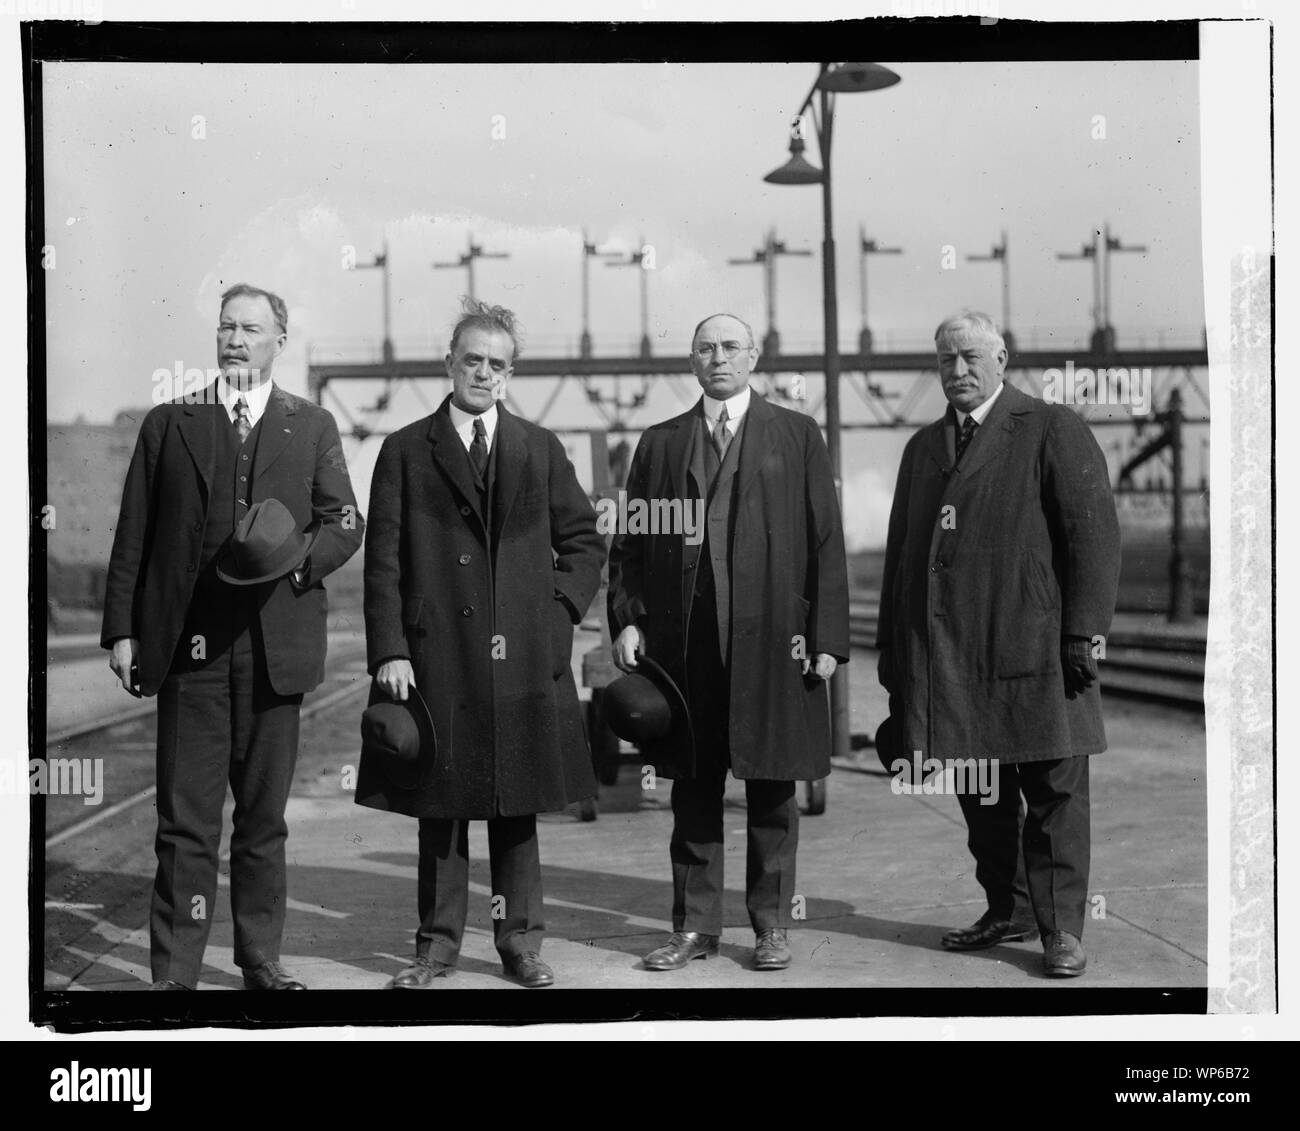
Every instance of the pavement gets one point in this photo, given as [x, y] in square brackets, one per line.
[881, 876]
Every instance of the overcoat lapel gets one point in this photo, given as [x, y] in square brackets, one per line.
[992, 437]
[278, 425]
[198, 429]
[511, 454]
[449, 457]
[757, 440]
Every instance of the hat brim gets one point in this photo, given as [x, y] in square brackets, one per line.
[407, 775]
[680, 733]
[288, 558]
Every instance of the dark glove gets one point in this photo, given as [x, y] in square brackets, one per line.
[885, 670]
[1078, 665]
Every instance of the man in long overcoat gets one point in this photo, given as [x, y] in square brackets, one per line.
[229, 663]
[1001, 571]
[482, 554]
[748, 614]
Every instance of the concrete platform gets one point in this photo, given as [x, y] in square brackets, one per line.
[881, 876]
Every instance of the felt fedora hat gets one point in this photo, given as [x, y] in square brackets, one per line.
[648, 708]
[266, 544]
[398, 736]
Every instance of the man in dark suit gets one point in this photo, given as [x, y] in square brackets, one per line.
[481, 556]
[223, 482]
[1001, 571]
[748, 614]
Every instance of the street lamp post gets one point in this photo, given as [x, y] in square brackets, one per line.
[832, 78]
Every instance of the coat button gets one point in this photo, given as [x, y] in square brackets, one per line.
[465, 511]
[463, 559]
[198, 528]
[189, 569]
[243, 457]
[467, 611]
[938, 565]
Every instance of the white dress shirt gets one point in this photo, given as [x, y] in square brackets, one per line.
[463, 422]
[256, 399]
[737, 406]
[979, 413]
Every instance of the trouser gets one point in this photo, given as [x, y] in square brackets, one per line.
[443, 886]
[219, 722]
[1032, 857]
[772, 813]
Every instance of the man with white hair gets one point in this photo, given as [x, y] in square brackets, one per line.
[1001, 571]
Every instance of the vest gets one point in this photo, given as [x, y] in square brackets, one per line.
[232, 495]
[713, 573]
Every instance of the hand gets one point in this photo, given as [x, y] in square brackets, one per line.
[396, 677]
[1078, 665]
[885, 670]
[822, 666]
[630, 641]
[123, 660]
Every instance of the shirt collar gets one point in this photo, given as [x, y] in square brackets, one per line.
[982, 411]
[463, 422]
[257, 397]
[737, 406]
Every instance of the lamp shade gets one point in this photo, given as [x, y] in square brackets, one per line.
[796, 171]
[856, 76]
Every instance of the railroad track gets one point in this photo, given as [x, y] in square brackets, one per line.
[125, 741]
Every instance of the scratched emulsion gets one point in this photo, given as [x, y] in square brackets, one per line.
[1251, 987]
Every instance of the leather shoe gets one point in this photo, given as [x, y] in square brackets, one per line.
[771, 949]
[167, 984]
[987, 931]
[680, 949]
[527, 969]
[421, 974]
[1063, 955]
[270, 976]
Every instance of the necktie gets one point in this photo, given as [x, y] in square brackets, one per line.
[721, 438]
[478, 450]
[243, 425]
[967, 431]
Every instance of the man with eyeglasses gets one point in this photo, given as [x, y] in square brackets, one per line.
[749, 621]
[481, 555]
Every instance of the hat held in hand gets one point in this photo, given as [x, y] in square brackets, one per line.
[647, 708]
[398, 734]
[266, 545]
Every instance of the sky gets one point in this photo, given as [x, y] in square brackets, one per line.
[166, 183]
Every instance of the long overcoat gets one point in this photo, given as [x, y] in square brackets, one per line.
[484, 607]
[988, 565]
[788, 583]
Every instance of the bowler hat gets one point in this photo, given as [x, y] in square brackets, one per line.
[889, 749]
[265, 545]
[399, 737]
[646, 707]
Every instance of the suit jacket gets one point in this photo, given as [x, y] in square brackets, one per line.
[159, 536]
[987, 566]
[483, 605]
[788, 583]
